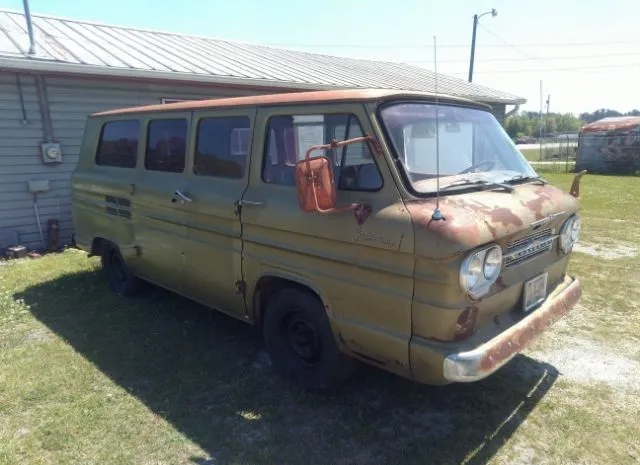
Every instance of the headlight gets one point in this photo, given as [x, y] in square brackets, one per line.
[492, 263]
[569, 234]
[480, 270]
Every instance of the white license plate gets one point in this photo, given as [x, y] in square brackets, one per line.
[535, 291]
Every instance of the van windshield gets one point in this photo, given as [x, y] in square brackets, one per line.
[472, 145]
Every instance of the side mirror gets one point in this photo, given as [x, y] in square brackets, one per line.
[314, 180]
[315, 185]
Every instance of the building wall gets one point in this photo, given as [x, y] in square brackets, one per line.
[20, 137]
[71, 100]
[498, 110]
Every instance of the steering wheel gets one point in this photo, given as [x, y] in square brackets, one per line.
[475, 168]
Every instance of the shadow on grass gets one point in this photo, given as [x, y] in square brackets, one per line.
[208, 376]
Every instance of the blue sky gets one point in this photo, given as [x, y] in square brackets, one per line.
[587, 53]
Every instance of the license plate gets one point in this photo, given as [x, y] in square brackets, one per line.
[535, 291]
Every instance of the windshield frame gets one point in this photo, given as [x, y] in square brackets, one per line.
[397, 160]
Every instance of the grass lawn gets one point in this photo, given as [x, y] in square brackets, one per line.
[531, 154]
[87, 377]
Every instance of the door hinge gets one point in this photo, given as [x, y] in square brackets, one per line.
[237, 208]
[241, 288]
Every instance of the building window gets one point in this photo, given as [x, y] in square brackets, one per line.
[222, 146]
[289, 138]
[166, 145]
[118, 145]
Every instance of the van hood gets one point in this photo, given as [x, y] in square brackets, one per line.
[476, 218]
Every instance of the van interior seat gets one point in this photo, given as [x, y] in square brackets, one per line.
[369, 176]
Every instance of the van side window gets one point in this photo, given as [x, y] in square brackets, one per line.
[166, 145]
[289, 137]
[358, 168]
[118, 145]
[222, 145]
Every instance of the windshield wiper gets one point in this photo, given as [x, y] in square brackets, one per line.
[477, 182]
[522, 177]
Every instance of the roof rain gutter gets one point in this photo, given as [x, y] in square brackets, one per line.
[512, 111]
[27, 15]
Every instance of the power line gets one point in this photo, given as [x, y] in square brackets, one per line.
[504, 45]
[499, 60]
[514, 47]
[533, 70]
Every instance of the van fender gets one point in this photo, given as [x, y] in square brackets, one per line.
[302, 280]
[298, 279]
[128, 251]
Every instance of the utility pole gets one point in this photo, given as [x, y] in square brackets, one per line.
[493, 13]
[541, 123]
[548, 100]
[473, 47]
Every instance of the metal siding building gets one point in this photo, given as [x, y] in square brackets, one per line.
[81, 67]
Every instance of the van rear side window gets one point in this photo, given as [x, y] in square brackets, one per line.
[118, 145]
[222, 146]
[166, 145]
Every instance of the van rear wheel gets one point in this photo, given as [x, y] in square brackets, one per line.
[119, 276]
[300, 342]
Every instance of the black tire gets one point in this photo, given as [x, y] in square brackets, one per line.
[119, 276]
[300, 342]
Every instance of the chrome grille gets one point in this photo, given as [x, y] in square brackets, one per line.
[528, 247]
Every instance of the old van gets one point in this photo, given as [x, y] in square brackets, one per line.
[396, 228]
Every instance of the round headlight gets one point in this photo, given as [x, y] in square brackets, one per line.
[473, 272]
[569, 233]
[492, 263]
[480, 270]
[575, 229]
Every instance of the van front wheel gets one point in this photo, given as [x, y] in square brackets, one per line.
[121, 279]
[301, 344]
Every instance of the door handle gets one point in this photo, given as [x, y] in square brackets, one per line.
[183, 197]
[251, 203]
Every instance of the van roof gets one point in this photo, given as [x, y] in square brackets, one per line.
[291, 98]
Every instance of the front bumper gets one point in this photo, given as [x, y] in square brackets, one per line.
[490, 356]
[441, 366]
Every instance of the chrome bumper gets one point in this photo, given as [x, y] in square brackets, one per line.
[493, 354]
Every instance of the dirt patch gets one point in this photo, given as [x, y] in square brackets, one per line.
[607, 252]
[586, 361]
[38, 335]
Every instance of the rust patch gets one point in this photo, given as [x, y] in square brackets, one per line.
[477, 218]
[505, 217]
[496, 287]
[516, 339]
[285, 98]
[361, 213]
[612, 124]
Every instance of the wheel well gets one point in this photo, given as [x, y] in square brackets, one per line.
[267, 286]
[97, 245]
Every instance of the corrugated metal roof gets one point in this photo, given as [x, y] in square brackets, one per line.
[92, 48]
[612, 123]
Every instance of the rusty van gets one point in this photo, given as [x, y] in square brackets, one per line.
[401, 229]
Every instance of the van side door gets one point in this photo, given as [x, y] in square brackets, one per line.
[161, 196]
[360, 263]
[217, 178]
